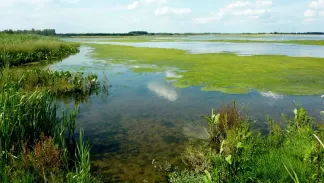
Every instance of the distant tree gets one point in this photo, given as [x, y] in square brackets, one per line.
[138, 33]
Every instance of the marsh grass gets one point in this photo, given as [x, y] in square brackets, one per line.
[19, 49]
[285, 154]
[62, 84]
[36, 143]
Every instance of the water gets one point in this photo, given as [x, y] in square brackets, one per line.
[145, 117]
[254, 37]
[243, 49]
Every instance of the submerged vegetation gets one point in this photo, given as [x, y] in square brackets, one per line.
[235, 153]
[18, 49]
[228, 73]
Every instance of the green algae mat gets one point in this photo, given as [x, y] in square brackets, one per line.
[227, 73]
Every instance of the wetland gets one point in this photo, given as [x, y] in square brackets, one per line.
[159, 88]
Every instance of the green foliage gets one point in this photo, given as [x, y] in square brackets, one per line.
[198, 159]
[290, 154]
[185, 176]
[36, 143]
[285, 75]
[18, 49]
[82, 170]
[60, 83]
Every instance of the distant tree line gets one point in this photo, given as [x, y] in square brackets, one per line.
[51, 32]
[144, 33]
[44, 32]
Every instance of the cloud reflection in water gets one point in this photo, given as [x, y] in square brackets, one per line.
[272, 95]
[171, 74]
[163, 90]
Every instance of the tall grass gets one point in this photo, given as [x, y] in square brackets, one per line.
[36, 143]
[238, 154]
[18, 49]
[62, 84]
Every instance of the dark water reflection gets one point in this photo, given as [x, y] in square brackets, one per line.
[145, 117]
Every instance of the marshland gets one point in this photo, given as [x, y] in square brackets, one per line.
[161, 108]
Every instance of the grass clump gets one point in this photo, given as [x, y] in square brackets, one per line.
[235, 153]
[228, 73]
[61, 83]
[18, 49]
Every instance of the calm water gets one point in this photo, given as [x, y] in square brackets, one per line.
[244, 49]
[257, 37]
[145, 117]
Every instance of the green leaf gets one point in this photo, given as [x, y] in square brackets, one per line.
[239, 145]
[229, 159]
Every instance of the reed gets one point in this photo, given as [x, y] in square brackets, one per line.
[33, 136]
[19, 49]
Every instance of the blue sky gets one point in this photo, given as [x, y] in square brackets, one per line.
[163, 15]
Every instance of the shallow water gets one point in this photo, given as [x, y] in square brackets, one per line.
[254, 37]
[243, 49]
[145, 117]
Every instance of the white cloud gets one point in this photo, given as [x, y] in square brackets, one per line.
[309, 20]
[310, 13]
[315, 8]
[33, 3]
[317, 4]
[154, 1]
[239, 8]
[238, 4]
[133, 5]
[251, 12]
[177, 11]
[69, 1]
[136, 4]
[321, 13]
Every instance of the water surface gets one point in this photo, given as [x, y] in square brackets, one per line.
[243, 49]
[145, 117]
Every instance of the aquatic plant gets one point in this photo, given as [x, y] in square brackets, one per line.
[62, 84]
[36, 143]
[228, 73]
[289, 154]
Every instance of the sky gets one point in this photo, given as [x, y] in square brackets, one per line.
[224, 16]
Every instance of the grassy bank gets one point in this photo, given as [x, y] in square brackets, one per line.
[19, 49]
[228, 73]
[235, 153]
[36, 144]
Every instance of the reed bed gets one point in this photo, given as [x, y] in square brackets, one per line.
[37, 143]
[19, 49]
